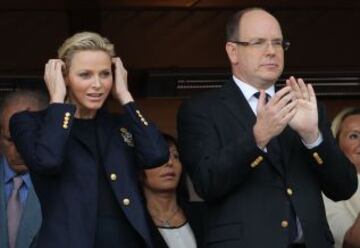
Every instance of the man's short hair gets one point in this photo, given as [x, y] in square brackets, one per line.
[36, 98]
[233, 23]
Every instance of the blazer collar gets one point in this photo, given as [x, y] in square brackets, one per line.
[235, 101]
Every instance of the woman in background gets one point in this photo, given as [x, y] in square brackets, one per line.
[343, 216]
[177, 223]
[83, 160]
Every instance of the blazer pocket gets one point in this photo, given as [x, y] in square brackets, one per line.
[225, 232]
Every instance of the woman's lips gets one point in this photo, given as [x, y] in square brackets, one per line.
[168, 175]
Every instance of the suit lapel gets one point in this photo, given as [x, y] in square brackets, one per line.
[3, 218]
[114, 151]
[235, 101]
[30, 221]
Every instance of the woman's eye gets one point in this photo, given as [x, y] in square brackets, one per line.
[84, 75]
[353, 136]
[105, 74]
[175, 156]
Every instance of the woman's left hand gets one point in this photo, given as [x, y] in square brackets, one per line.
[120, 88]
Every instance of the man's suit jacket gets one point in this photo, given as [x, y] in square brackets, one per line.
[64, 170]
[30, 221]
[249, 194]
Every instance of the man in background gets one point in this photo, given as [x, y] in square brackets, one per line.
[20, 213]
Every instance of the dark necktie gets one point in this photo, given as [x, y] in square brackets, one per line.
[274, 151]
[14, 211]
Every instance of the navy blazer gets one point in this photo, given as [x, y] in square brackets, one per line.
[248, 193]
[64, 170]
[30, 220]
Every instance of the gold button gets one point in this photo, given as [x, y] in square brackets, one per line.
[146, 123]
[317, 158]
[284, 224]
[66, 118]
[142, 119]
[126, 201]
[67, 114]
[65, 126]
[256, 162]
[289, 191]
[113, 177]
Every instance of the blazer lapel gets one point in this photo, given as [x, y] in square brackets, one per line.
[30, 221]
[235, 101]
[114, 151]
[3, 218]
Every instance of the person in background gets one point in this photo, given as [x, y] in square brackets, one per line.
[83, 160]
[261, 158]
[344, 216]
[177, 223]
[20, 212]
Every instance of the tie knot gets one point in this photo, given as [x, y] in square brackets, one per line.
[257, 95]
[17, 181]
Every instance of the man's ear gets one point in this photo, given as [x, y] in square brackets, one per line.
[232, 52]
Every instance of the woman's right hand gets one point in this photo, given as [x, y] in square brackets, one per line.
[54, 80]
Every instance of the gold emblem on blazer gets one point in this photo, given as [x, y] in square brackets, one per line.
[127, 136]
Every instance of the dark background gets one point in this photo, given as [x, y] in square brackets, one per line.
[165, 42]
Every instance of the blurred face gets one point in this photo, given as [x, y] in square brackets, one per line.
[262, 61]
[349, 139]
[89, 81]
[7, 146]
[166, 177]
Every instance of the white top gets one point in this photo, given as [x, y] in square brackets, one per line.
[341, 215]
[178, 237]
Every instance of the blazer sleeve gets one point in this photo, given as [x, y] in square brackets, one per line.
[150, 147]
[41, 137]
[215, 169]
[336, 174]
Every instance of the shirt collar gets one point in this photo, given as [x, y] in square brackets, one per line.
[9, 173]
[249, 90]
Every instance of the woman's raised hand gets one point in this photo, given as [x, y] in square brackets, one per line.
[54, 80]
[120, 86]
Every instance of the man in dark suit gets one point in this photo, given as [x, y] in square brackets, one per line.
[18, 224]
[261, 158]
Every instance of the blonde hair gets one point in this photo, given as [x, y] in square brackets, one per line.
[84, 41]
[339, 119]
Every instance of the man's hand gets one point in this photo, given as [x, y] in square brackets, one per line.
[272, 117]
[305, 121]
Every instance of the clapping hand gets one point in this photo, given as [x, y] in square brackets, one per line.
[272, 117]
[305, 120]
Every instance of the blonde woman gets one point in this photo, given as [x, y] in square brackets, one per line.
[343, 216]
[84, 160]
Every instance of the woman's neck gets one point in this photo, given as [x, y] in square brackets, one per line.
[161, 203]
